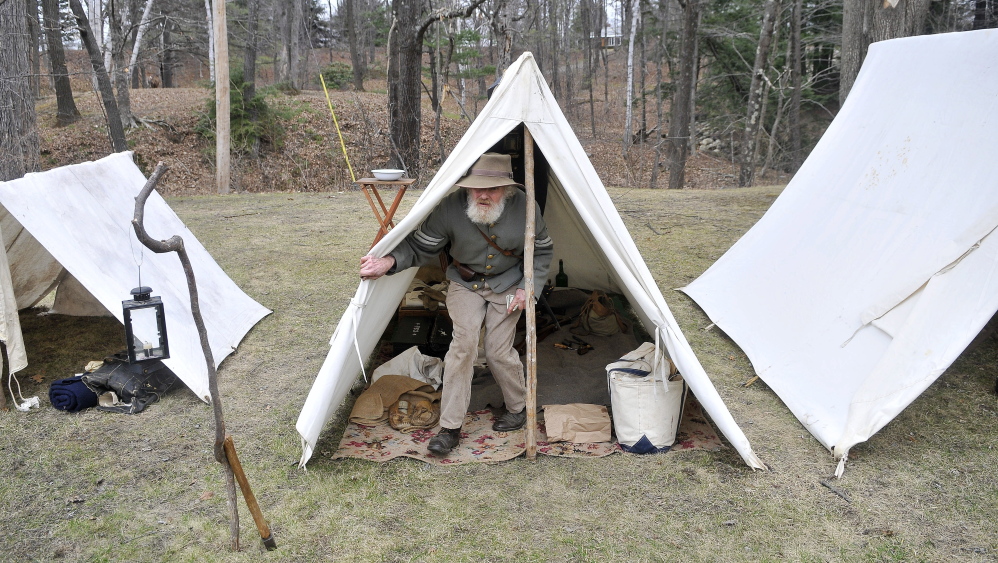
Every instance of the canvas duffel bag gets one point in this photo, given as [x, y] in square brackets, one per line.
[647, 400]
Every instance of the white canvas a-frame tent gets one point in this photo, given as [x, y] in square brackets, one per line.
[580, 217]
[876, 267]
[70, 229]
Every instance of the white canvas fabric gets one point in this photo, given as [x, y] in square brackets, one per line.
[73, 225]
[580, 217]
[10, 323]
[876, 266]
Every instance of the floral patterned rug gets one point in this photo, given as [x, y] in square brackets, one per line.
[479, 443]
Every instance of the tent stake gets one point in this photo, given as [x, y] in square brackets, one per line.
[176, 244]
[528, 286]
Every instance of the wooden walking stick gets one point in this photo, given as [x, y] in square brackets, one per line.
[528, 285]
[225, 450]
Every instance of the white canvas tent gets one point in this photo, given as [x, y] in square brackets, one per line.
[876, 266]
[70, 228]
[581, 219]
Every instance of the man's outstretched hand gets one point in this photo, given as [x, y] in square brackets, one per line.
[372, 268]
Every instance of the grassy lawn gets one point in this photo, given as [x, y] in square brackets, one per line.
[106, 487]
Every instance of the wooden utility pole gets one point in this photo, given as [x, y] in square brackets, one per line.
[220, 31]
[528, 286]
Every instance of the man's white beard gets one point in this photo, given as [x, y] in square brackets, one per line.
[485, 215]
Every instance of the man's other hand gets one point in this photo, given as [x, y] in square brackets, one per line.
[519, 302]
[372, 268]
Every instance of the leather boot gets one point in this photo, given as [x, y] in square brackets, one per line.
[510, 421]
[445, 441]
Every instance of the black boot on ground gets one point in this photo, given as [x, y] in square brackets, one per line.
[445, 441]
[510, 421]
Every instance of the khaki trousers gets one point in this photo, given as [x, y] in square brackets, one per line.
[468, 309]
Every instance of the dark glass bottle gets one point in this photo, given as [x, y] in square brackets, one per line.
[561, 280]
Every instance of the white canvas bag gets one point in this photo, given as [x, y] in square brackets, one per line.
[645, 403]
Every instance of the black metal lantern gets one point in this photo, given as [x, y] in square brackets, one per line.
[145, 326]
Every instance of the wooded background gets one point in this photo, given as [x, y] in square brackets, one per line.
[754, 81]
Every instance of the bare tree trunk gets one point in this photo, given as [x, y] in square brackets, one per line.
[552, 26]
[405, 40]
[905, 19]
[166, 48]
[116, 131]
[641, 81]
[121, 79]
[629, 119]
[211, 39]
[865, 22]
[249, 55]
[31, 10]
[569, 73]
[294, 47]
[857, 23]
[660, 55]
[505, 37]
[404, 79]
[140, 32]
[985, 14]
[606, 73]
[19, 147]
[746, 174]
[590, 80]
[692, 139]
[771, 147]
[355, 47]
[679, 126]
[96, 20]
[66, 112]
[793, 112]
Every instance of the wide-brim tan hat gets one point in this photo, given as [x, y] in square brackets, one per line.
[491, 170]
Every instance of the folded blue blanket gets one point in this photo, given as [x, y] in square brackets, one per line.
[71, 395]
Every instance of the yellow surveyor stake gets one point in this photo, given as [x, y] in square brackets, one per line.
[342, 145]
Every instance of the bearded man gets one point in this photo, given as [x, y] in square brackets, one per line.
[484, 224]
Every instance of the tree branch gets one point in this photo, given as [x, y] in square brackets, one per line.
[459, 13]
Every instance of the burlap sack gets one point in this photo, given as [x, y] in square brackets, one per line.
[599, 317]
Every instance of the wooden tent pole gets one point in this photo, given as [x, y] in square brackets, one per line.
[528, 284]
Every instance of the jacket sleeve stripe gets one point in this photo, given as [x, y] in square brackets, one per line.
[425, 240]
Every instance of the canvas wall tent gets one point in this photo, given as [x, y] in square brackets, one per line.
[70, 228]
[876, 266]
[581, 219]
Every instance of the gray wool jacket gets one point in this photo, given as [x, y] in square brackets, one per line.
[449, 223]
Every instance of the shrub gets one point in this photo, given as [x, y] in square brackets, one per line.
[337, 75]
[248, 135]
